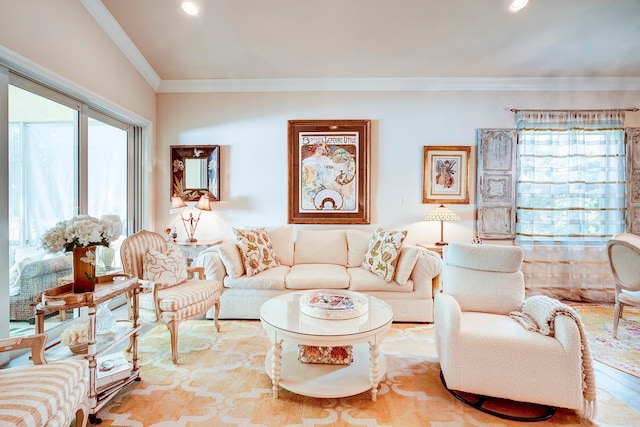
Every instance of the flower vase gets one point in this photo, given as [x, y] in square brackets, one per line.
[106, 256]
[84, 269]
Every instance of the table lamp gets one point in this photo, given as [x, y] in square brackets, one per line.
[178, 205]
[442, 214]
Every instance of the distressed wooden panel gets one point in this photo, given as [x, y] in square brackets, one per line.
[633, 179]
[496, 222]
[496, 183]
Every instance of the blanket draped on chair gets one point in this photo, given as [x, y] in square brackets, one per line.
[538, 315]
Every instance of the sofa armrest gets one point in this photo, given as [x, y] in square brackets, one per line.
[426, 272]
[212, 264]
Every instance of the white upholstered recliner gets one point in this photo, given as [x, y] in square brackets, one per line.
[484, 351]
[624, 258]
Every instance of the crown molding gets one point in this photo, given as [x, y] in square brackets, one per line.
[103, 17]
[27, 68]
[513, 84]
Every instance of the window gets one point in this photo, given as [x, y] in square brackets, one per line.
[570, 199]
[571, 182]
[65, 158]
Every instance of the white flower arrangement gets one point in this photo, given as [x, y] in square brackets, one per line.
[75, 334]
[82, 231]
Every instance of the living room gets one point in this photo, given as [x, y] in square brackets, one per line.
[69, 45]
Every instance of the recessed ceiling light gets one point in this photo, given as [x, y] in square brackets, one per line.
[190, 8]
[517, 5]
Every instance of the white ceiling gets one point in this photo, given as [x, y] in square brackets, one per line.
[385, 40]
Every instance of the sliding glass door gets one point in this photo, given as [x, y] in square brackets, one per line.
[65, 159]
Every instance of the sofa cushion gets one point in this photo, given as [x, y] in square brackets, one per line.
[256, 249]
[282, 241]
[317, 276]
[382, 255]
[166, 269]
[272, 278]
[406, 261]
[357, 245]
[362, 280]
[231, 258]
[321, 247]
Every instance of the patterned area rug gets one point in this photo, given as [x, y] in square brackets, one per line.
[623, 352]
[221, 382]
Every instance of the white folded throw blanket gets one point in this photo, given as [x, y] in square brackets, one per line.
[538, 315]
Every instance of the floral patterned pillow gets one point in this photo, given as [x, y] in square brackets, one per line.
[256, 249]
[382, 255]
[166, 269]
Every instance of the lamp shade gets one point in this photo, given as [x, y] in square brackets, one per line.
[177, 202]
[204, 203]
[442, 213]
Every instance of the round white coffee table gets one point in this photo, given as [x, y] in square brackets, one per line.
[284, 322]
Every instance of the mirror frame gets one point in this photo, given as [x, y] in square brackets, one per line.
[179, 153]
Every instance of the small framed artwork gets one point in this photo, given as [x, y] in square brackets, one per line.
[329, 171]
[195, 172]
[446, 174]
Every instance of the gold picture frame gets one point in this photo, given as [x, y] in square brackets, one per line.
[195, 172]
[329, 171]
[446, 174]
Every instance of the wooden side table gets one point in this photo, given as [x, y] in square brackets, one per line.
[63, 298]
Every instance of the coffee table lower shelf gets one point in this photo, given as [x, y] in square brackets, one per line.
[326, 381]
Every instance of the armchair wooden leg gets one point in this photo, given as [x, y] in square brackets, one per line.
[215, 315]
[173, 332]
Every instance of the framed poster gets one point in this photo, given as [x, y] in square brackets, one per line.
[446, 174]
[329, 171]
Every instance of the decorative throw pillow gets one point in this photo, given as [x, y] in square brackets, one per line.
[256, 249]
[382, 253]
[166, 269]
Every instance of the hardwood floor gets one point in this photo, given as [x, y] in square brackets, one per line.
[621, 385]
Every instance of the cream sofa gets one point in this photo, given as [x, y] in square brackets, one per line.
[322, 259]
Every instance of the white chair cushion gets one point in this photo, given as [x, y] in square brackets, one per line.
[500, 258]
[476, 290]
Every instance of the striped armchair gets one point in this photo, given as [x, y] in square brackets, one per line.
[43, 394]
[170, 305]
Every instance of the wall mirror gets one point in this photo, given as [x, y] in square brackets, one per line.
[195, 172]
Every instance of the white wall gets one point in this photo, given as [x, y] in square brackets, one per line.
[63, 37]
[251, 128]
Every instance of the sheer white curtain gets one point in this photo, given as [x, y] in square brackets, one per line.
[571, 186]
